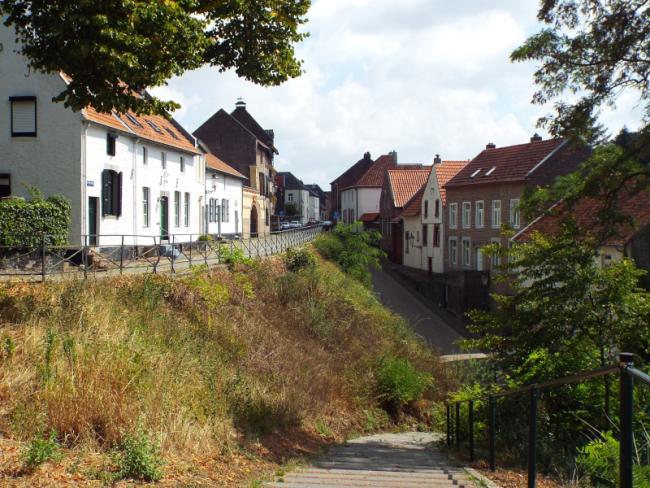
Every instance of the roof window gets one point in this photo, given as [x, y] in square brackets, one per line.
[154, 126]
[133, 120]
[490, 171]
[171, 133]
[475, 173]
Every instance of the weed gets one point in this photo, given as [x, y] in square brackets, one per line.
[46, 369]
[138, 457]
[322, 429]
[40, 450]
[8, 348]
[399, 383]
[297, 258]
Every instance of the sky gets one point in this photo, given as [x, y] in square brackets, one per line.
[421, 77]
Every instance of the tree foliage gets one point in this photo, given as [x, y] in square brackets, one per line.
[107, 46]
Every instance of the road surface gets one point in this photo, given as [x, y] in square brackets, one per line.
[431, 327]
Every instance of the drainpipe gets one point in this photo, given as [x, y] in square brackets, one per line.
[84, 195]
[135, 190]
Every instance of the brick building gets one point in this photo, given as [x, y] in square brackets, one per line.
[348, 178]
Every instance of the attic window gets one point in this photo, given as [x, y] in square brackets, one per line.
[490, 171]
[475, 173]
[154, 126]
[133, 120]
[171, 133]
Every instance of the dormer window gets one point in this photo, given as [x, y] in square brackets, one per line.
[23, 116]
[133, 120]
[475, 173]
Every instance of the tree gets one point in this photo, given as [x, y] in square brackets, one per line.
[291, 210]
[109, 45]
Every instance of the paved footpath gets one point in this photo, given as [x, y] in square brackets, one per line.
[406, 460]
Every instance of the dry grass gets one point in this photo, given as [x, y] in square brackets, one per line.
[230, 372]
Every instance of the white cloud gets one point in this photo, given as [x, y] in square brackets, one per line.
[418, 76]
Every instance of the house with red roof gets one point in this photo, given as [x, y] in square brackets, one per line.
[484, 196]
[400, 191]
[141, 176]
[345, 180]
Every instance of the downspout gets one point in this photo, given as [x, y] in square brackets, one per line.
[135, 191]
[84, 203]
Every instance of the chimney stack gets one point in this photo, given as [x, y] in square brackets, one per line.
[367, 156]
[240, 103]
[491, 145]
[536, 138]
[437, 159]
[393, 154]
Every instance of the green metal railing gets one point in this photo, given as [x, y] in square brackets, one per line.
[627, 374]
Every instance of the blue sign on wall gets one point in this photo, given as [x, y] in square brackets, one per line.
[90, 183]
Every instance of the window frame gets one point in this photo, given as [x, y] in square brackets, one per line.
[481, 224]
[426, 208]
[177, 209]
[163, 160]
[496, 225]
[466, 212]
[145, 156]
[182, 164]
[425, 235]
[146, 206]
[495, 259]
[111, 143]
[23, 99]
[467, 263]
[453, 210]
[437, 208]
[111, 193]
[186, 209]
[453, 250]
[514, 211]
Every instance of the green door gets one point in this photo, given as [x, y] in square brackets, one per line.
[92, 221]
[164, 217]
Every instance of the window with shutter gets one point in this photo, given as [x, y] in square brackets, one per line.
[111, 193]
[111, 144]
[23, 116]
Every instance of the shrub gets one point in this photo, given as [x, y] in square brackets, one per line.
[297, 258]
[233, 256]
[399, 383]
[205, 238]
[138, 458]
[40, 450]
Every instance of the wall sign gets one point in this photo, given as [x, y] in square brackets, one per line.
[90, 183]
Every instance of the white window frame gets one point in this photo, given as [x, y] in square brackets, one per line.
[495, 259]
[453, 251]
[177, 209]
[453, 215]
[186, 209]
[515, 214]
[479, 212]
[290, 198]
[146, 206]
[467, 215]
[467, 263]
[496, 222]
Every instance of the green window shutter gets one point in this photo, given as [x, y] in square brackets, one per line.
[106, 192]
[117, 201]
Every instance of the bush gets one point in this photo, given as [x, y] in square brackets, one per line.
[40, 450]
[233, 256]
[399, 383]
[24, 222]
[297, 258]
[138, 458]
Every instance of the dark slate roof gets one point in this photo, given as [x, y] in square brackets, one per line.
[246, 119]
[352, 174]
[290, 181]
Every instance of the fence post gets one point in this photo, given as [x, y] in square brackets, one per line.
[155, 264]
[470, 415]
[190, 250]
[84, 257]
[492, 427]
[457, 425]
[43, 258]
[448, 425]
[532, 440]
[626, 415]
[173, 251]
[122, 255]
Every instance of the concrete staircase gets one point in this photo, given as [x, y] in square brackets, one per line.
[383, 461]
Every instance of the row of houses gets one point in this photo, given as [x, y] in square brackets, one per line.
[136, 177]
[436, 219]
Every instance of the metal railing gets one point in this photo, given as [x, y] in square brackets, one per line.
[627, 374]
[128, 253]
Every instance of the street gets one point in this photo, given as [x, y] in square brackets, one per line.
[431, 327]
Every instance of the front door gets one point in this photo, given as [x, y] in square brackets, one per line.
[253, 222]
[398, 243]
[164, 218]
[93, 203]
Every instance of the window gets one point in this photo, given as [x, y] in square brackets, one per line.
[163, 160]
[290, 197]
[515, 218]
[437, 208]
[111, 140]
[268, 218]
[182, 164]
[186, 210]
[467, 255]
[177, 209]
[133, 120]
[406, 242]
[426, 208]
[211, 210]
[467, 215]
[496, 258]
[145, 206]
[453, 250]
[111, 193]
[23, 116]
[224, 210]
[480, 214]
[475, 173]
[490, 171]
[154, 126]
[171, 133]
[453, 215]
[145, 156]
[5, 185]
[425, 237]
[496, 214]
[436, 235]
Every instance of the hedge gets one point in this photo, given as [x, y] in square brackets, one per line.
[23, 223]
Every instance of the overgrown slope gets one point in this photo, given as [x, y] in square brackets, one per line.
[228, 371]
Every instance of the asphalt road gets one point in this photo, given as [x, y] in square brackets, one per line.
[431, 327]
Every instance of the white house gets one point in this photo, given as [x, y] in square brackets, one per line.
[223, 198]
[313, 210]
[295, 195]
[126, 175]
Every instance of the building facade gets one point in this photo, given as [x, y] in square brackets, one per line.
[224, 198]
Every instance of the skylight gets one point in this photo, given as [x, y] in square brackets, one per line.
[475, 173]
[132, 119]
[490, 171]
[154, 126]
[171, 133]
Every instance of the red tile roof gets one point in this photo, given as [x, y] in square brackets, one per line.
[414, 206]
[445, 171]
[373, 177]
[140, 125]
[369, 217]
[405, 183]
[506, 164]
[211, 161]
[585, 212]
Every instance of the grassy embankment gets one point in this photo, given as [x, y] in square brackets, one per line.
[220, 375]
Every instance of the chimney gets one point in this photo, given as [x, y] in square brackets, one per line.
[490, 145]
[240, 103]
[269, 132]
[393, 154]
[367, 156]
[437, 159]
[536, 138]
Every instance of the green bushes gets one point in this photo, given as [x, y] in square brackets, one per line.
[40, 450]
[24, 222]
[352, 248]
[399, 383]
[138, 458]
[297, 258]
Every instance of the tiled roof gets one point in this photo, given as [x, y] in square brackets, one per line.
[405, 183]
[505, 164]
[369, 217]
[373, 177]
[414, 206]
[211, 161]
[585, 212]
[445, 172]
